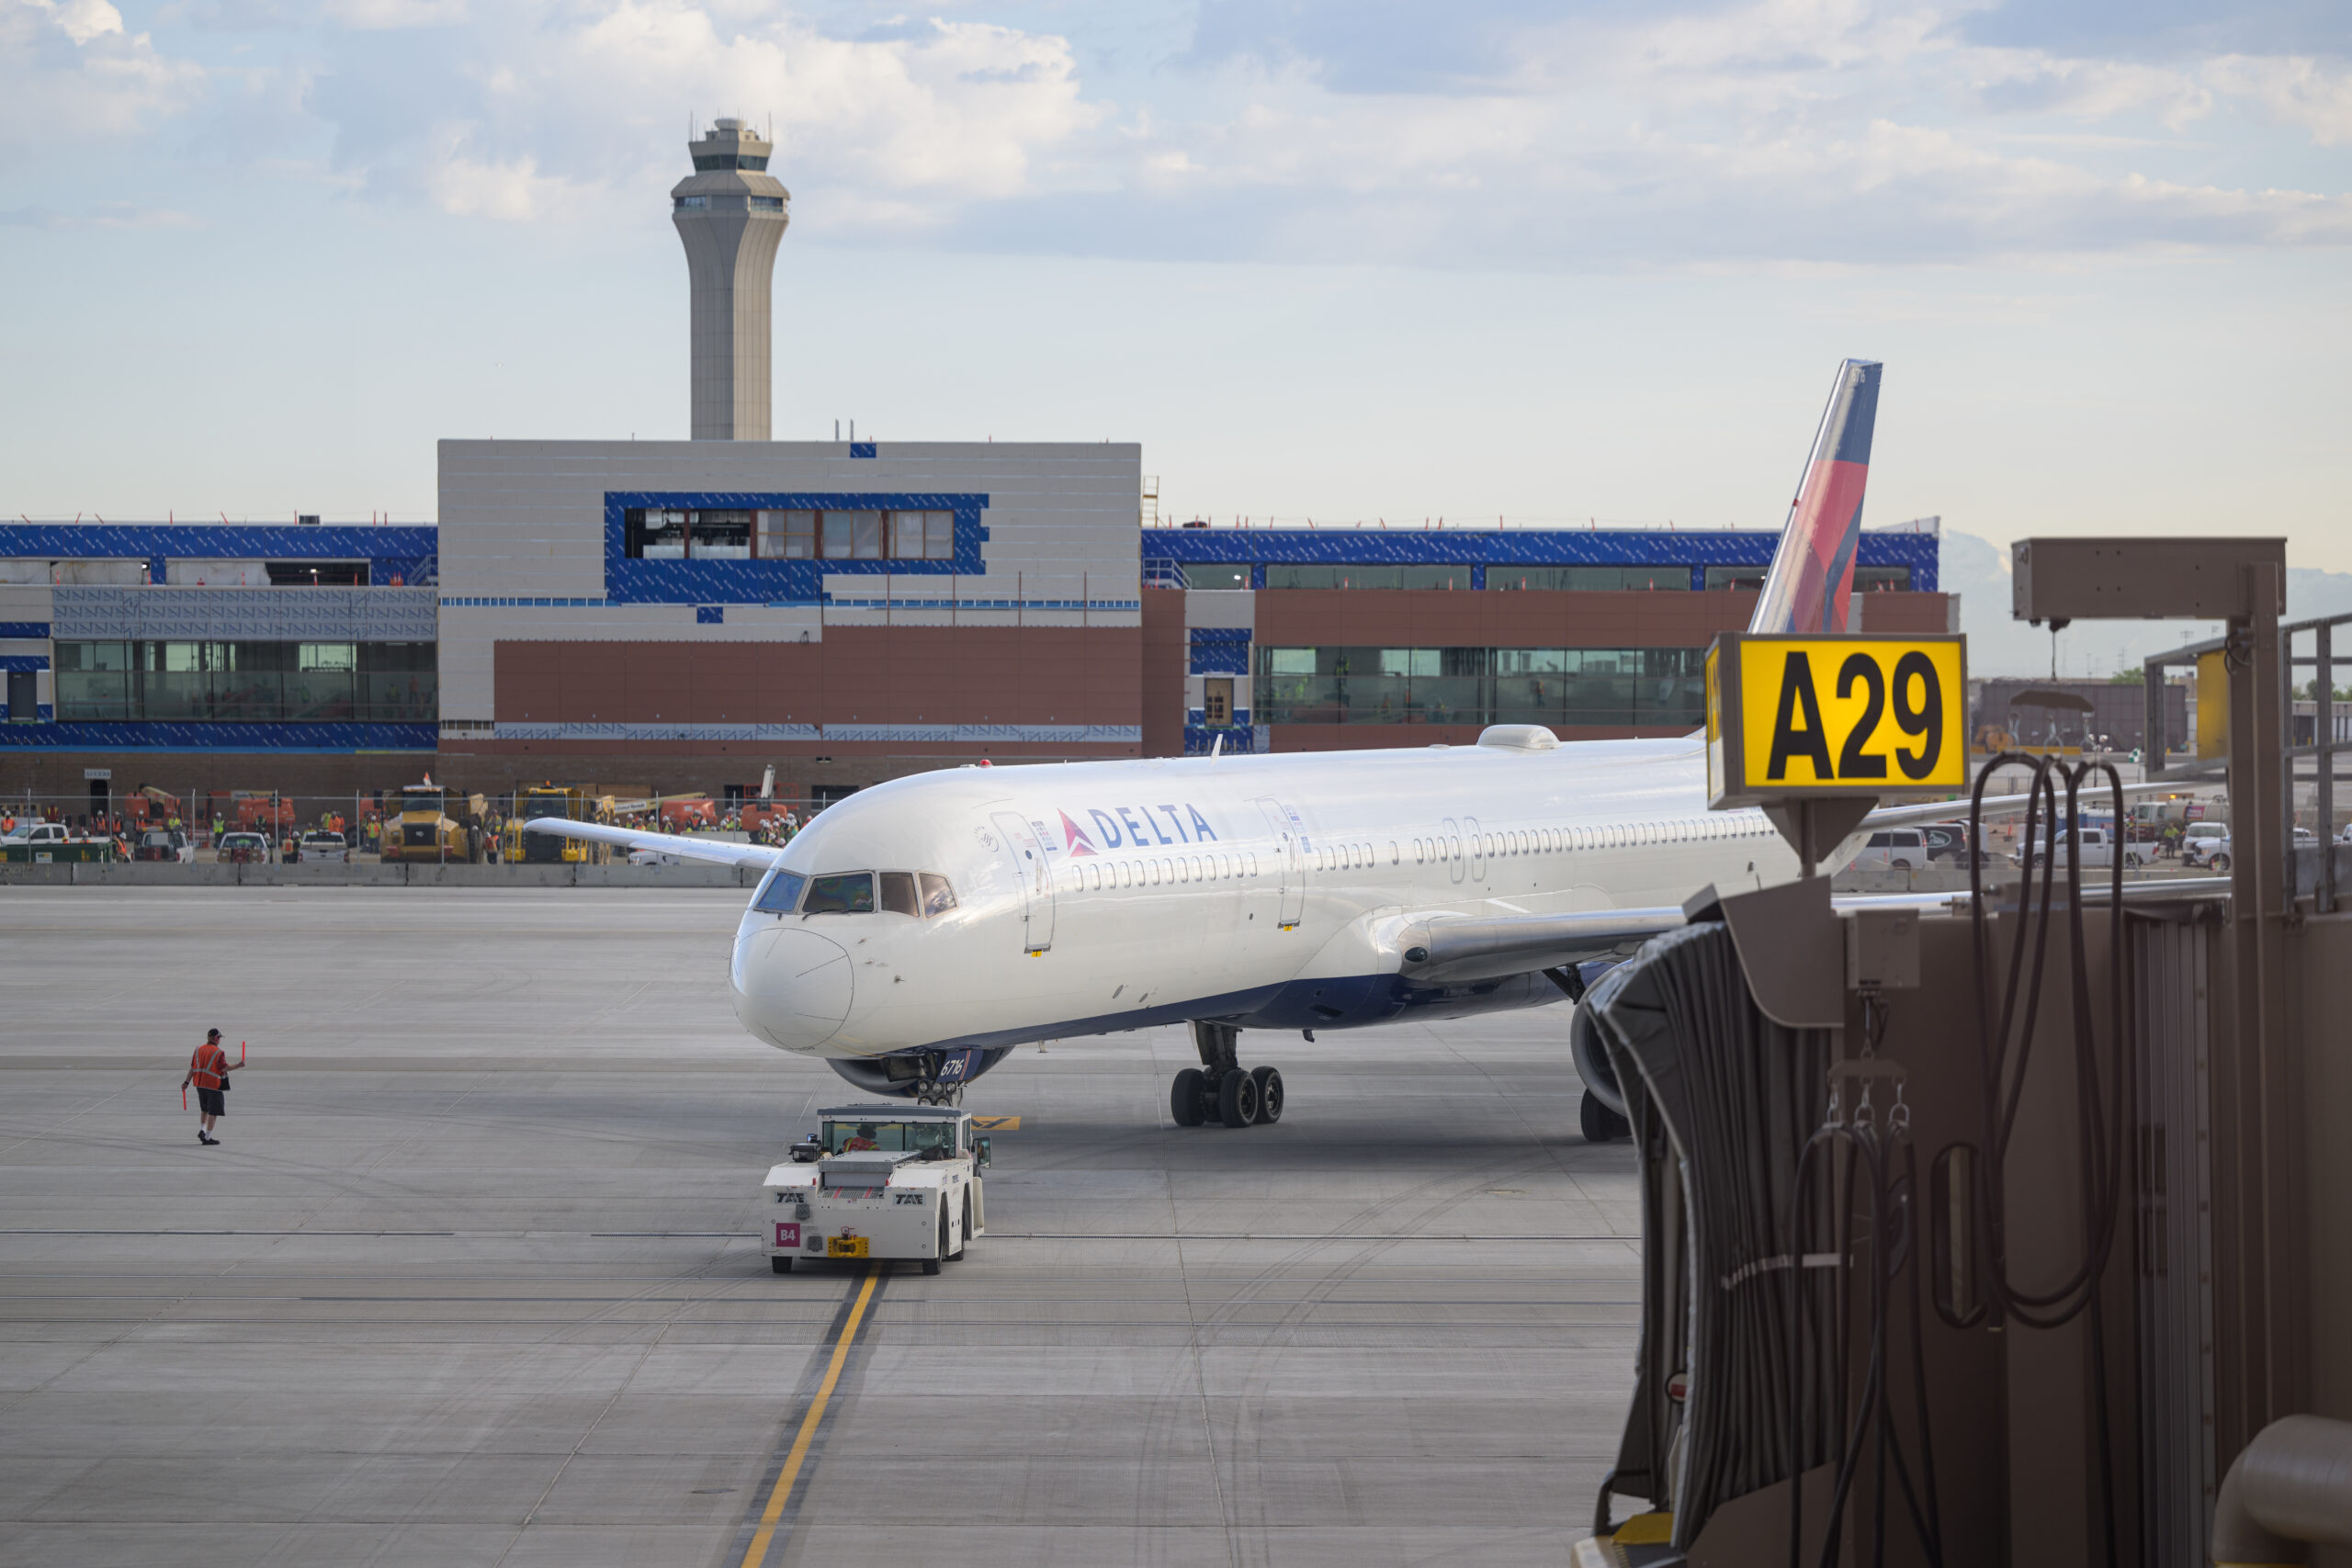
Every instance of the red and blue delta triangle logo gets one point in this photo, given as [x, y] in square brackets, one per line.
[1074, 838]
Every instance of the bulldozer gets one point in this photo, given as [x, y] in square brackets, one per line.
[533, 802]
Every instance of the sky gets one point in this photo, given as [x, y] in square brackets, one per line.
[1490, 259]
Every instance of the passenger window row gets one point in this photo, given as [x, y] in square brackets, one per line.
[1098, 875]
[1622, 836]
[922, 893]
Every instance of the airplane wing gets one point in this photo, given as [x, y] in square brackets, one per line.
[1998, 805]
[684, 848]
[1455, 950]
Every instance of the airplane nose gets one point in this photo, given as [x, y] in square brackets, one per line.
[792, 987]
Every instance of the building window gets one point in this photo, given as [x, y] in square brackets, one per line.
[1589, 579]
[1216, 703]
[655, 533]
[93, 680]
[766, 203]
[1280, 575]
[693, 204]
[1749, 576]
[1882, 579]
[852, 536]
[788, 535]
[1216, 574]
[719, 535]
[923, 536]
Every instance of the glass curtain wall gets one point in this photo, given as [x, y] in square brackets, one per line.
[1446, 575]
[1565, 686]
[1604, 578]
[248, 681]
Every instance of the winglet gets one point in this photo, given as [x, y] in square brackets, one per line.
[1813, 570]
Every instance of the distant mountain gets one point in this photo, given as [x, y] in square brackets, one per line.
[1978, 570]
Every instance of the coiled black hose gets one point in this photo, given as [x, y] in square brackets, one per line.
[2103, 1131]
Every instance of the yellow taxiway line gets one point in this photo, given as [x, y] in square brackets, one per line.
[756, 1554]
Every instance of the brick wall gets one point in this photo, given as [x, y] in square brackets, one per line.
[1166, 656]
[857, 674]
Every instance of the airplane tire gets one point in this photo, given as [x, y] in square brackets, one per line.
[1601, 1125]
[1269, 1095]
[1237, 1099]
[1188, 1101]
[780, 1265]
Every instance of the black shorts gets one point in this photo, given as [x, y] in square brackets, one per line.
[211, 1101]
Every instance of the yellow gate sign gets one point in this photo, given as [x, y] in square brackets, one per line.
[1790, 717]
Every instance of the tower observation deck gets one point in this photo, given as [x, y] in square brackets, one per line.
[730, 212]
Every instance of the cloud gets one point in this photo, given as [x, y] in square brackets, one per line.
[533, 114]
[2292, 90]
[68, 69]
[107, 215]
[1492, 134]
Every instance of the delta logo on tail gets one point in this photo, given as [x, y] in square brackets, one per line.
[1813, 570]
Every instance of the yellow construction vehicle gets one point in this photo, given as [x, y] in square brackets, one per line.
[534, 801]
[428, 823]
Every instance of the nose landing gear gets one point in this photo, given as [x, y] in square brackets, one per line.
[1220, 1089]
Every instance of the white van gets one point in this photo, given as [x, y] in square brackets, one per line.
[1894, 846]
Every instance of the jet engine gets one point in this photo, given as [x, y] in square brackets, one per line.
[931, 1076]
[1593, 1061]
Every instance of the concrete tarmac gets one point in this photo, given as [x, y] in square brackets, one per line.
[472, 1277]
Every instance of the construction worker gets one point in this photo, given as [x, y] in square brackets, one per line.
[208, 1071]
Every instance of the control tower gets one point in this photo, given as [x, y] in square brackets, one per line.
[730, 212]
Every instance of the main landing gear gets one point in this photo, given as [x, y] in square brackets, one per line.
[1220, 1089]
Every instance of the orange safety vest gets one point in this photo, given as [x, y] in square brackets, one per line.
[209, 1063]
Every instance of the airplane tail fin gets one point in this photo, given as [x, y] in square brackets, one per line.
[1813, 570]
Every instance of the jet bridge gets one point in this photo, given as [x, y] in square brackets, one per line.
[2014, 1237]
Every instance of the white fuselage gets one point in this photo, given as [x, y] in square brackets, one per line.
[1270, 891]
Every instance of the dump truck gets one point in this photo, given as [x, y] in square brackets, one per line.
[535, 801]
[878, 1181]
[428, 823]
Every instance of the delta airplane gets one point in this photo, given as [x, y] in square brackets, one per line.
[916, 932]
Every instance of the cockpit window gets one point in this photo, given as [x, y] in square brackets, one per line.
[851, 893]
[779, 893]
[937, 897]
[898, 892]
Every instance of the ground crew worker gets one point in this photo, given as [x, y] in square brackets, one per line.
[208, 1071]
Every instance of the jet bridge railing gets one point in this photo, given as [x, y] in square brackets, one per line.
[2308, 660]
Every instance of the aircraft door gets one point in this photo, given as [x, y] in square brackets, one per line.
[1290, 863]
[1477, 847]
[1452, 848]
[1022, 851]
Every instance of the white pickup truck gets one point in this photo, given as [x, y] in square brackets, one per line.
[878, 1181]
[2099, 849]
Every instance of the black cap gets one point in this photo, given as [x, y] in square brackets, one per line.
[212, 1034]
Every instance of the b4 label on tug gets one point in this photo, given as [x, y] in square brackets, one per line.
[892, 1181]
